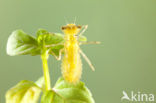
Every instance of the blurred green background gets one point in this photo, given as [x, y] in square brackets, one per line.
[126, 59]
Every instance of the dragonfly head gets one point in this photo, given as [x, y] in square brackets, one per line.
[71, 29]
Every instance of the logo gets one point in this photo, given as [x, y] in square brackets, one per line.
[137, 96]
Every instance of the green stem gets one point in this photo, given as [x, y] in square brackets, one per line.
[44, 57]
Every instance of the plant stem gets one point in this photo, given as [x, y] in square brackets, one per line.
[44, 57]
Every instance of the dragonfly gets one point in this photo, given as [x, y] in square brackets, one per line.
[71, 63]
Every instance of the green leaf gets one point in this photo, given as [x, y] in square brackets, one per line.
[46, 38]
[19, 43]
[54, 41]
[25, 92]
[47, 97]
[68, 93]
[41, 32]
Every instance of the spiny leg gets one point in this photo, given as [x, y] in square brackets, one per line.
[60, 54]
[54, 44]
[87, 60]
[90, 42]
[85, 27]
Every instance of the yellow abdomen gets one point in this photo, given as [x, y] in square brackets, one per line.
[71, 64]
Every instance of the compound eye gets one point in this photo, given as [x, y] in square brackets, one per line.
[79, 27]
[63, 27]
